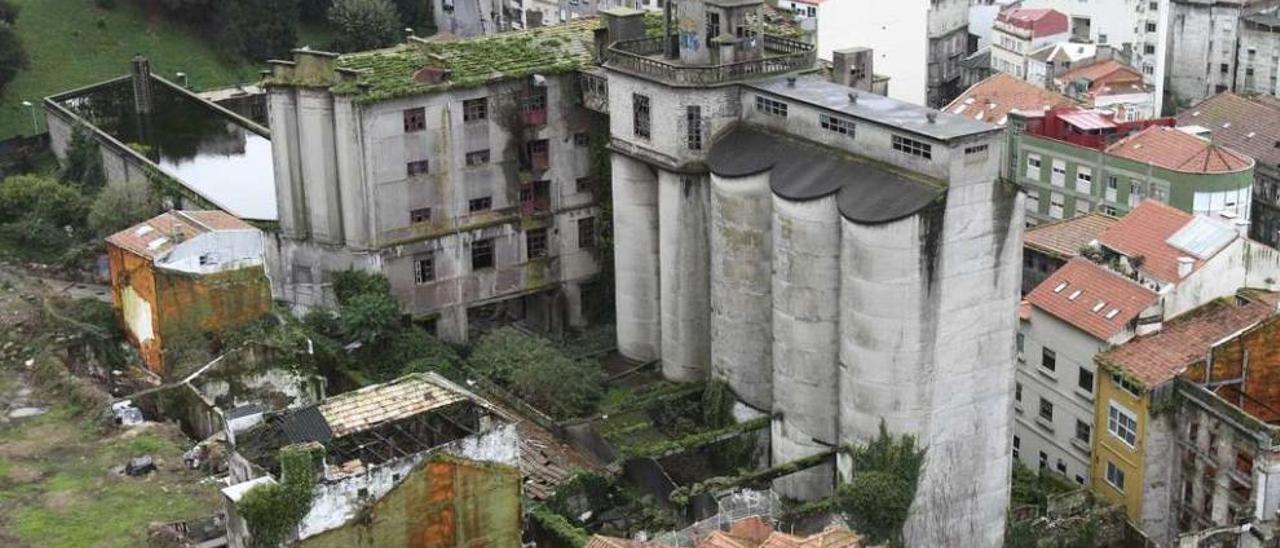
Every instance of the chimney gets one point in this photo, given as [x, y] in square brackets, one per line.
[853, 67]
[932, 116]
[1185, 264]
[142, 98]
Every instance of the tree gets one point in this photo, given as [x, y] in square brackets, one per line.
[260, 29]
[885, 476]
[364, 24]
[122, 205]
[370, 318]
[13, 57]
[83, 166]
[537, 371]
[350, 284]
[42, 199]
[8, 11]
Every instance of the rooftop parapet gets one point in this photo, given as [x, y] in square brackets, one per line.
[644, 57]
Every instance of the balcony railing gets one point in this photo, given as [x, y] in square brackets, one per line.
[643, 57]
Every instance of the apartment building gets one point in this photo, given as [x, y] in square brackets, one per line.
[1018, 32]
[1185, 416]
[1138, 30]
[1111, 85]
[1147, 268]
[1047, 247]
[1221, 46]
[919, 44]
[1072, 161]
[1048, 62]
[1250, 125]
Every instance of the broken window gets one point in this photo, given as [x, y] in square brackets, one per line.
[418, 167]
[693, 127]
[640, 115]
[475, 109]
[480, 204]
[536, 242]
[482, 254]
[584, 184]
[420, 215]
[771, 107]
[424, 268]
[478, 157]
[415, 119]
[586, 232]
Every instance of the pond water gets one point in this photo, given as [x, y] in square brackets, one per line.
[206, 150]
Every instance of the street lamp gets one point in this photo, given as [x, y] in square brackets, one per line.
[35, 126]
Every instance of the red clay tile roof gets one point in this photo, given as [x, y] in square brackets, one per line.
[1185, 340]
[831, 537]
[991, 99]
[1102, 72]
[155, 236]
[1178, 150]
[1098, 293]
[1249, 126]
[1065, 238]
[1041, 22]
[1145, 231]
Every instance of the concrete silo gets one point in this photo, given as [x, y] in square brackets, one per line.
[638, 299]
[685, 278]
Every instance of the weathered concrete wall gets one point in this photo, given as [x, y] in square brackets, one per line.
[806, 298]
[282, 112]
[443, 503]
[886, 329]
[188, 304]
[635, 220]
[976, 274]
[741, 287]
[685, 283]
[133, 294]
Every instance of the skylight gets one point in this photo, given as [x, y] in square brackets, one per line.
[1099, 306]
[157, 243]
[1111, 315]
[1060, 287]
[143, 230]
[1076, 294]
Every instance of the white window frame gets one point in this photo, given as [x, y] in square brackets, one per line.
[1113, 470]
[1117, 428]
[1058, 173]
[1084, 180]
[1033, 166]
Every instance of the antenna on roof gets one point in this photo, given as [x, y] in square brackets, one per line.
[853, 98]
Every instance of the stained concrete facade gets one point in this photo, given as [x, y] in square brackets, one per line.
[829, 317]
[1204, 41]
[459, 208]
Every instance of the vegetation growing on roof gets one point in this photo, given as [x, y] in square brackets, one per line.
[273, 511]
[538, 372]
[389, 73]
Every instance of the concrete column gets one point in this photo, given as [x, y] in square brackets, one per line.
[635, 252]
[348, 138]
[452, 325]
[885, 331]
[741, 287]
[282, 115]
[573, 305]
[319, 165]
[806, 294]
[685, 281]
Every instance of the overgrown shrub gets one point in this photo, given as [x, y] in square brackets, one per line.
[538, 372]
[885, 476]
[8, 11]
[272, 512]
[122, 205]
[83, 164]
[364, 24]
[348, 284]
[40, 204]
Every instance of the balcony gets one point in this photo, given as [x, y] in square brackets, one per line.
[644, 57]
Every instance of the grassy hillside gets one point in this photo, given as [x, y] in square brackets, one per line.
[68, 49]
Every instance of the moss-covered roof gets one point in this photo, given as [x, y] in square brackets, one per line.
[389, 73]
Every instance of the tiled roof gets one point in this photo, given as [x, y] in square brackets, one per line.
[991, 99]
[1249, 126]
[1099, 71]
[1185, 340]
[1065, 238]
[1146, 231]
[1088, 120]
[157, 236]
[374, 405]
[1041, 21]
[1091, 298]
[1064, 51]
[751, 537]
[1177, 150]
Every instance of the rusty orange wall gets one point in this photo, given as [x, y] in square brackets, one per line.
[445, 502]
[1262, 381]
[212, 302]
[132, 270]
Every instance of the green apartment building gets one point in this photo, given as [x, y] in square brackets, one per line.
[1072, 162]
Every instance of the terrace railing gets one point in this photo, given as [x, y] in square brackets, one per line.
[643, 57]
